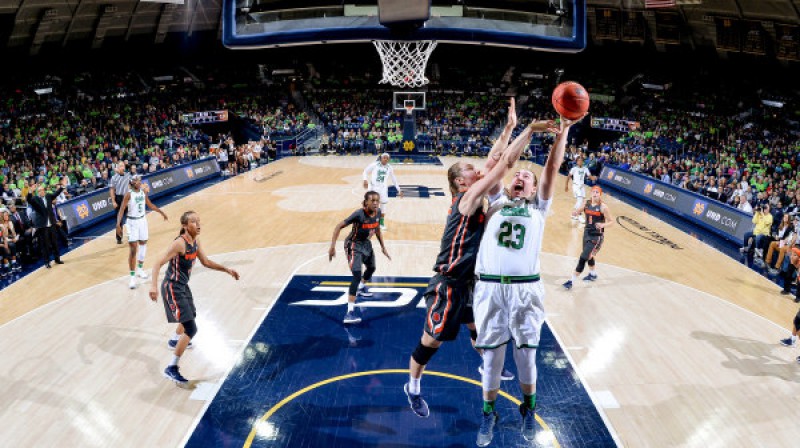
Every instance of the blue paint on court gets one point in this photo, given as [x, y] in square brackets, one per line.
[416, 191]
[414, 159]
[301, 343]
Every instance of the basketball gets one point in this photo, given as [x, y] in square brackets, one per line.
[570, 100]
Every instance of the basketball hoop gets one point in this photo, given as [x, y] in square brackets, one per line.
[404, 61]
[409, 109]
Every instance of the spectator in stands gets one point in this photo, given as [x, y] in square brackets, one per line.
[756, 240]
[743, 204]
[785, 239]
[8, 243]
[24, 231]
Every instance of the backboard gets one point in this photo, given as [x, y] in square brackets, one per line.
[400, 100]
[548, 25]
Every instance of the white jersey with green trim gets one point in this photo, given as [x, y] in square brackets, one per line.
[136, 204]
[378, 174]
[512, 239]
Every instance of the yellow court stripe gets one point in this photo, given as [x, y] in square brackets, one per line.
[410, 285]
[250, 437]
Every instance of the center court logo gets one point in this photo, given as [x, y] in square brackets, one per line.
[335, 292]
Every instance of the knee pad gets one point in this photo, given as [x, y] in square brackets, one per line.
[354, 283]
[422, 354]
[591, 262]
[190, 328]
[142, 251]
[581, 264]
[525, 358]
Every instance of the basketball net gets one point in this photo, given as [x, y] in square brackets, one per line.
[404, 61]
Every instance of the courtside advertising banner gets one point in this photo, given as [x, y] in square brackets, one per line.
[88, 209]
[720, 218]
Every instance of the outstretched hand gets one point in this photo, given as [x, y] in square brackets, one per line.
[512, 114]
[543, 126]
[385, 252]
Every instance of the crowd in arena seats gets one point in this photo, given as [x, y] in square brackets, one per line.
[453, 122]
[738, 154]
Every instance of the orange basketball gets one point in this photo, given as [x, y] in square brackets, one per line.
[570, 100]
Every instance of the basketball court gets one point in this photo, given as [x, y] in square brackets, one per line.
[675, 345]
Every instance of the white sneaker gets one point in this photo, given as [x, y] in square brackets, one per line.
[132, 283]
[142, 273]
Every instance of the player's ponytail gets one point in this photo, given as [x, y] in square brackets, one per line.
[453, 173]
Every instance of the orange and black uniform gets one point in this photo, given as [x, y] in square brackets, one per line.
[449, 294]
[592, 236]
[178, 300]
[357, 245]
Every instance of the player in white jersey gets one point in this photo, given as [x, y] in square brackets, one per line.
[376, 176]
[577, 176]
[136, 200]
[508, 297]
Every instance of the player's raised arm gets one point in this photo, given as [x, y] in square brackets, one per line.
[502, 141]
[547, 184]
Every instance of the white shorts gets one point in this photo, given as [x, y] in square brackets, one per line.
[578, 191]
[137, 229]
[508, 311]
[382, 190]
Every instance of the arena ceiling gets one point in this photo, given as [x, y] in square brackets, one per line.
[34, 23]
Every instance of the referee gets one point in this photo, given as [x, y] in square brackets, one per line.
[118, 189]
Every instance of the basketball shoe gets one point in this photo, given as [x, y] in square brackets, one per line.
[172, 373]
[486, 431]
[418, 404]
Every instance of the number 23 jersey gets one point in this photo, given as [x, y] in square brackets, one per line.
[512, 239]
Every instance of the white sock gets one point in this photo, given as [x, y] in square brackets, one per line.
[794, 339]
[175, 337]
[351, 306]
[572, 279]
[593, 274]
[414, 385]
[361, 285]
[175, 359]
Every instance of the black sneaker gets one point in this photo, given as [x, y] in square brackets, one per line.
[173, 374]
[418, 405]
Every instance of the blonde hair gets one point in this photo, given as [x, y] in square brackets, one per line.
[453, 173]
[526, 166]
